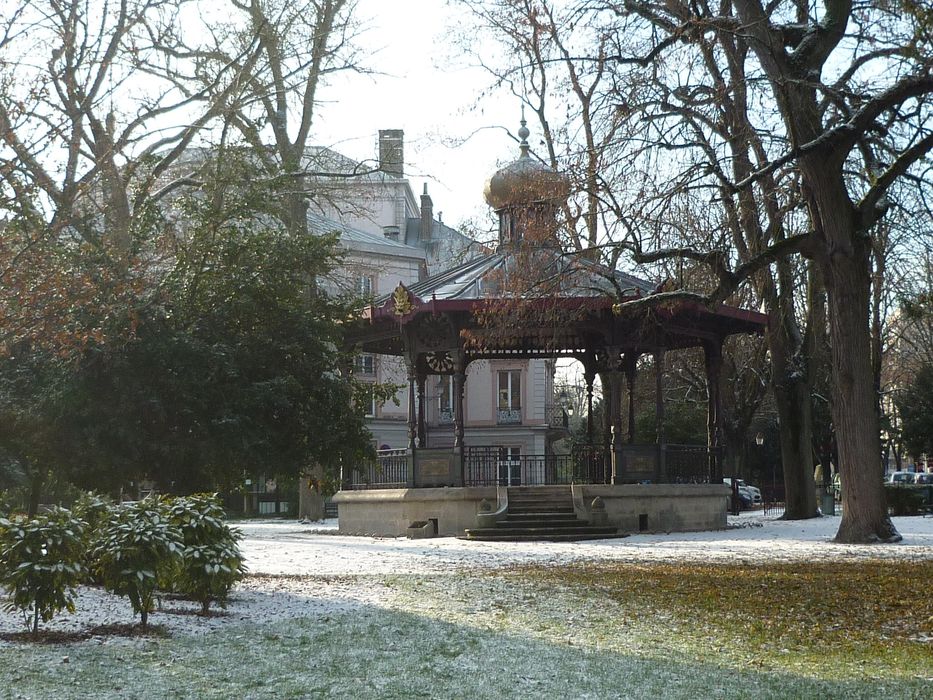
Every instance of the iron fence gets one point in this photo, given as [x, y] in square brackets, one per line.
[691, 464]
[586, 464]
[494, 466]
[772, 498]
[389, 470]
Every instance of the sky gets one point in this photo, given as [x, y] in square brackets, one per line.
[422, 92]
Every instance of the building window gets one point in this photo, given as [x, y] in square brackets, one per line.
[509, 408]
[446, 400]
[370, 407]
[364, 285]
[510, 466]
[365, 364]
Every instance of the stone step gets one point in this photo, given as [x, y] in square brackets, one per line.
[538, 524]
[493, 534]
[520, 490]
[539, 499]
[534, 498]
[575, 529]
[549, 517]
[543, 507]
[541, 514]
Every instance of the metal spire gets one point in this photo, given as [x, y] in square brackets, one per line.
[523, 135]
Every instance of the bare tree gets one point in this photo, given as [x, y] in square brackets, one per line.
[86, 155]
[572, 101]
[618, 115]
[820, 69]
[797, 119]
[272, 109]
[85, 143]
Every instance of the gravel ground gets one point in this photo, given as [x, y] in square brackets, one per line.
[306, 570]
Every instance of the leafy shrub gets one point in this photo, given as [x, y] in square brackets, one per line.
[6, 503]
[134, 549]
[211, 563]
[903, 499]
[41, 563]
[94, 510]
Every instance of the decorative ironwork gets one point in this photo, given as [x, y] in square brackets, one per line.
[491, 466]
[440, 362]
[557, 416]
[402, 300]
[388, 471]
[433, 332]
[509, 416]
[690, 464]
[587, 464]
[446, 416]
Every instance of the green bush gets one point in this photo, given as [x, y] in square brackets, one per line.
[133, 551]
[904, 499]
[211, 562]
[94, 510]
[41, 563]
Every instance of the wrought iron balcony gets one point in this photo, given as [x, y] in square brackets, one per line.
[509, 416]
[557, 416]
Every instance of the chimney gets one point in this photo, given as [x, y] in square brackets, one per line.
[427, 215]
[392, 152]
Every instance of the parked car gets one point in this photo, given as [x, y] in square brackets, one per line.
[923, 478]
[748, 495]
[754, 490]
[900, 478]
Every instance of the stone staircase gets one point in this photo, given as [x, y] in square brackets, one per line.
[541, 514]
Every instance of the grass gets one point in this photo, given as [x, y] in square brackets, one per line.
[849, 630]
[829, 620]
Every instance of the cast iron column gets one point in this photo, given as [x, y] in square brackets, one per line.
[412, 425]
[459, 447]
[607, 412]
[631, 363]
[659, 411]
[422, 431]
[712, 351]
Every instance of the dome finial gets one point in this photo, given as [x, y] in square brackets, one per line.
[523, 135]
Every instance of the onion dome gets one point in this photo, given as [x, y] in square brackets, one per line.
[525, 181]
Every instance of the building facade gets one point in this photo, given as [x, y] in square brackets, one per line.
[392, 237]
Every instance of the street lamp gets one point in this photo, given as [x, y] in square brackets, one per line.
[566, 405]
[760, 441]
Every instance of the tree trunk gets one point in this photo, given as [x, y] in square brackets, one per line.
[734, 456]
[791, 385]
[843, 255]
[310, 500]
[864, 507]
[35, 492]
[792, 398]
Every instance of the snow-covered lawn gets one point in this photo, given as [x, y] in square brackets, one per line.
[325, 615]
[292, 548]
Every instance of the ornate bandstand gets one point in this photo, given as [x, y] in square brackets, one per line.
[529, 300]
